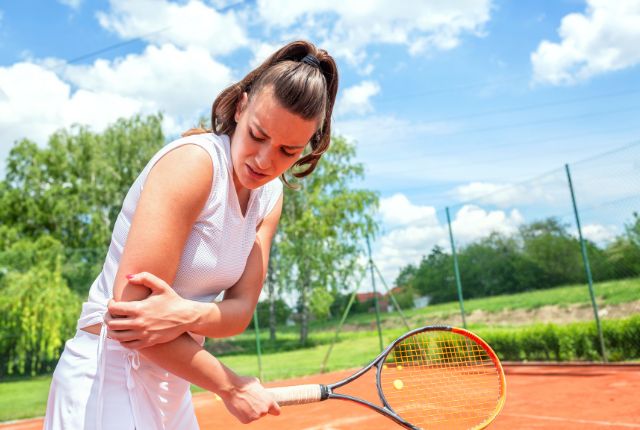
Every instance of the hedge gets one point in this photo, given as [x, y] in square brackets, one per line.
[569, 342]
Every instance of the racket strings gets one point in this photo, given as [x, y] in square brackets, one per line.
[441, 379]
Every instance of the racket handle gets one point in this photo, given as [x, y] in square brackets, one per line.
[298, 394]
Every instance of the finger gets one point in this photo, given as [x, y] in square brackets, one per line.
[150, 281]
[107, 318]
[134, 344]
[119, 324]
[122, 309]
[274, 409]
[123, 336]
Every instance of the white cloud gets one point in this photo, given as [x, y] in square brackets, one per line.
[603, 39]
[35, 101]
[600, 234]
[472, 222]
[73, 4]
[189, 25]
[181, 83]
[551, 189]
[346, 28]
[262, 51]
[415, 230]
[357, 99]
[397, 210]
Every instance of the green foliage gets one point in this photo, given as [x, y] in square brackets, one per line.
[282, 311]
[37, 314]
[72, 189]
[320, 303]
[541, 255]
[570, 342]
[322, 230]
[404, 297]
[58, 205]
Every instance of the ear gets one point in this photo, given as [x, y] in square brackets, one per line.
[241, 106]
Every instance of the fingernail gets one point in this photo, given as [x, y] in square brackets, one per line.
[130, 277]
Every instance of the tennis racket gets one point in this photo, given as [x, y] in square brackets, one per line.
[435, 377]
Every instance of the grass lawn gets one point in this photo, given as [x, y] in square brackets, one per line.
[24, 398]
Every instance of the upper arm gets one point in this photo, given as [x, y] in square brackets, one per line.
[249, 285]
[175, 191]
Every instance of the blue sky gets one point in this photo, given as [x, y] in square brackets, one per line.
[447, 101]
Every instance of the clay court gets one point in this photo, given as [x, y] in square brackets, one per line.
[567, 397]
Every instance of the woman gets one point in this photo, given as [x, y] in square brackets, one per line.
[200, 216]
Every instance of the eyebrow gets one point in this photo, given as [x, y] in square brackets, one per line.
[269, 137]
[261, 130]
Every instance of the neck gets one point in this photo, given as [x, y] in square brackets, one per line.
[240, 189]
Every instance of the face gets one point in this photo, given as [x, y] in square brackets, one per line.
[267, 141]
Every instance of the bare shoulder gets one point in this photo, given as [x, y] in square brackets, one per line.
[183, 175]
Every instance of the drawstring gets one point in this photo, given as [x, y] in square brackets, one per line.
[102, 366]
[132, 362]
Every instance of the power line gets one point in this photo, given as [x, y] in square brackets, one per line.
[136, 39]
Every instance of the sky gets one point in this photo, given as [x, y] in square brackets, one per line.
[474, 105]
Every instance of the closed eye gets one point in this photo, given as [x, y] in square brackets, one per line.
[257, 139]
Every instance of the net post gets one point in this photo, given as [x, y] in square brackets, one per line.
[375, 295]
[456, 269]
[587, 267]
[256, 328]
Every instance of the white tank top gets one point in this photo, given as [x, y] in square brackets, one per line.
[218, 246]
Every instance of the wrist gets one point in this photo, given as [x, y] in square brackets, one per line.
[197, 315]
[231, 386]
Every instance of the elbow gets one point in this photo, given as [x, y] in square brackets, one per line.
[243, 325]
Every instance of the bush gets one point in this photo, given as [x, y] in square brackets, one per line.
[576, 341]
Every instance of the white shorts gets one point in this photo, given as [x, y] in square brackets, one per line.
[99, 384]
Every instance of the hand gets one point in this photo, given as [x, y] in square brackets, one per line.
[249, 400]
[159, 318]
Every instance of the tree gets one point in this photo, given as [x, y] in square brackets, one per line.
[323, 227]
[73, 188]
[548, 245]
[37, 310]
[434, 276]
[623, 254]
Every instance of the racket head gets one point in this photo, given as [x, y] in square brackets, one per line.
[441, 377]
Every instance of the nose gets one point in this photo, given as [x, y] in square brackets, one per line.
[263, 158]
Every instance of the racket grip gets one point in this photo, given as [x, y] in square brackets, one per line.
[298, 394]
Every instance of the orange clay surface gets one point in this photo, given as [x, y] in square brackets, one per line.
[538, 397]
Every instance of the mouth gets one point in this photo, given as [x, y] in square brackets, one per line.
[255, 174]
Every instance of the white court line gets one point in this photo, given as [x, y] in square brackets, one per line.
[573, 420]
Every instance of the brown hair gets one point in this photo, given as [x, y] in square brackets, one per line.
[301, 88]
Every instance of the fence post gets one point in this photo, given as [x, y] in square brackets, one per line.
[456, 270]
[375, 295]
[587, 268]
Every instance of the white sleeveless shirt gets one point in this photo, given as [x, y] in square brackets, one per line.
[216, 252]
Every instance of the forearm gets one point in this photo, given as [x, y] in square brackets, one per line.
[221, 319]
[185, 358]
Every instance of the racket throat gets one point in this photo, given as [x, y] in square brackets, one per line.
[324, 392]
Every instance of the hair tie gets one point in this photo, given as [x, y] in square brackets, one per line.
[311, 60]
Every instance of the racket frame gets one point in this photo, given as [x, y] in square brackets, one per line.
[328, 390]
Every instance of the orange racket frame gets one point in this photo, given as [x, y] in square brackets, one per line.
[301, 394]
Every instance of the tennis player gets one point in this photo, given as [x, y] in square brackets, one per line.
[200, 217]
